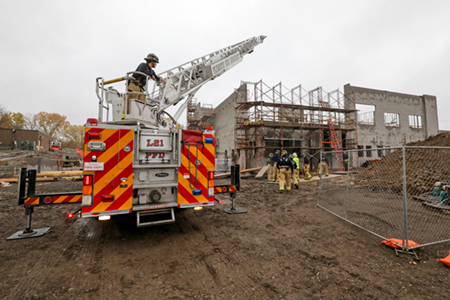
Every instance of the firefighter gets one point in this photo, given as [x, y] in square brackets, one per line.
[270, 168]
[345, 157]
[323, 164]
[306, 162]
[291, 158]
[284, 167]
[275, 160]
[138, 82]
[296, 175]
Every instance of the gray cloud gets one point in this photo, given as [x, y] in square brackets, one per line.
[52, 51]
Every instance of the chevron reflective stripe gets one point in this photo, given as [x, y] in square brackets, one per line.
[116, 178]
[224, 189]
[66, 199]
[32, 201]
[196, 161]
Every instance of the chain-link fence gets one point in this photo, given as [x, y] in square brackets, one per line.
[394, 193]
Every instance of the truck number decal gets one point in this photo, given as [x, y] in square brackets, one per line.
[155, 155]
[156, 143]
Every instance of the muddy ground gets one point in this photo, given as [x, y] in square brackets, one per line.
[285, 247]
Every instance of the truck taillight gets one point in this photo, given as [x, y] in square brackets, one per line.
[210, 183]
[94, 135]
[86, 199]
[87, 179]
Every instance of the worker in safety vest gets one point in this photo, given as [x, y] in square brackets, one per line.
[285, 167]
[275, 160]
[296, 176]
[345, 158]
[270, 168]
[307, 167]
[323, 164]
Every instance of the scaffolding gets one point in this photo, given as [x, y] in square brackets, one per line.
[199, 115]
[298, 120]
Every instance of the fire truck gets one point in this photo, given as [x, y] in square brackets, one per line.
[55, 146]
[136, 160]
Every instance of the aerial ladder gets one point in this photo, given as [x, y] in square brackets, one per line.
[179, 83]
[136, 160]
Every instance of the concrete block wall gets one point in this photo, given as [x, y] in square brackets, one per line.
[225, 122]
[379, 134]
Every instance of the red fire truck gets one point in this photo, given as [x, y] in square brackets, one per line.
[135, 160]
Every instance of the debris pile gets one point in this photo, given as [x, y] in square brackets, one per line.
[424, 167]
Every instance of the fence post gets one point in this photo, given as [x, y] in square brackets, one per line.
[346, 194]
[405, 204]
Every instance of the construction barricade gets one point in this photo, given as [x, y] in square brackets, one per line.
[394, 193]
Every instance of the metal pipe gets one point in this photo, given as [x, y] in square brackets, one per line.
[405, 204]
[114, 80]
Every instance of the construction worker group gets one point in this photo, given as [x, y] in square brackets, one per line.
[283, 167]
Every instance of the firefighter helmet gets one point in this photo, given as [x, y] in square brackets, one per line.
[291, 156]
[277, 152]
[271, 154]
[284, 152]
[152, 57]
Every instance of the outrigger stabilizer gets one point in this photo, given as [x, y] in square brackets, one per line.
[29, 198]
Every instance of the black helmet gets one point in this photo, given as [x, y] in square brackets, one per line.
[152, 57]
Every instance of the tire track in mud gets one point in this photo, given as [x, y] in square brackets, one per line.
[222, 271]
[64, 248]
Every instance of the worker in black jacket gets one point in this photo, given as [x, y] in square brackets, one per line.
[270, 168]
[285, 167]
[345, 157]
[307, 166]
[275, 160]
[138, 82]
[323, 164]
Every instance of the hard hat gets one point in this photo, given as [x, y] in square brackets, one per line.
[152, 57]
[285, 152]
[277, 152]
[295, 154]
[271, 154]
[437, 184]
[304, 154]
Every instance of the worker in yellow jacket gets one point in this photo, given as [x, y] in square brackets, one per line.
[296, 174]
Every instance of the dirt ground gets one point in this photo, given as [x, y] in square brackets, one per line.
[285, 247]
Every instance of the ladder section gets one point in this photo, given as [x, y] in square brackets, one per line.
[336, 146]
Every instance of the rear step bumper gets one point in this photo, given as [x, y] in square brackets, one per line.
[155, 217]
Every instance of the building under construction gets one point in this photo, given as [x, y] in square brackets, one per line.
[256, 120]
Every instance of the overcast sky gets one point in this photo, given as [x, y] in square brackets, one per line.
[52, 51]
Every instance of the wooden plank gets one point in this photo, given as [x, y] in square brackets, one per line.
[40, 179]
[223, 175]
[262, 172]
[60, 173]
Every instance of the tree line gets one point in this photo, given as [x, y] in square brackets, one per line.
[52, 124]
